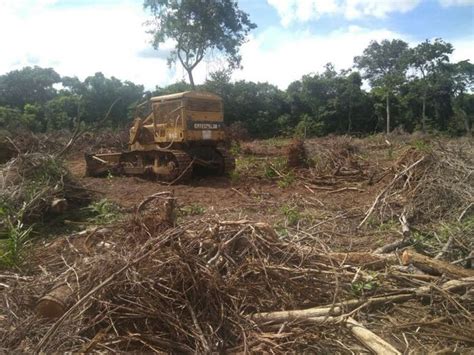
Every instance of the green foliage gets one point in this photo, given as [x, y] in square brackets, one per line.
[41, 176]
[97, 93]
[192, 210]
[28, 85]
[103, 212]
[198, 27]
[13, 241]
[62, 112]
[435, 96]
[308, 127]
[367, 284]
[384, 65]
[13, 119]
[429, 60]
[433, 240]
[282, 231]
[422, 145]
[286, 180]
[10, 118]
[390, 151]
[235, 149]
[291, 213]
[234, 176]
[274, 167]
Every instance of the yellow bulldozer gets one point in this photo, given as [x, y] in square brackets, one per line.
[172, 136]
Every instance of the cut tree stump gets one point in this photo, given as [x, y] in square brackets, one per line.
[54, 303]
[59, 206]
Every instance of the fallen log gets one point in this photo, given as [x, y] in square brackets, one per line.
[371, 340]
[334, 314]
[338, 308]
[434, 266]
[368, 261]
[406, 241]
[388, 248]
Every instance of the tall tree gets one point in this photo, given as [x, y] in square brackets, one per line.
[98, 92]
[427, 59]
[197, 27]
[463, 77]
[384, 65]
[28, 86]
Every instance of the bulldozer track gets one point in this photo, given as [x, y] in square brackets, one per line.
[229, 160]
[185, 170]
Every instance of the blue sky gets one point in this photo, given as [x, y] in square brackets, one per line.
[293, 38]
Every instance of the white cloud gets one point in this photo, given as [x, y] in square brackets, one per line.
[111, 38]
[448, 3]
[300, 53]
[305, 10]
[80, 41]
[463, 50]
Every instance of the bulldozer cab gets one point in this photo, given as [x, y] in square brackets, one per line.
[184, 117]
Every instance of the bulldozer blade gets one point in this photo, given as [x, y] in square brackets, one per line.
[102, 164]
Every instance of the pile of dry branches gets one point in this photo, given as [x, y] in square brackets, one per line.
[31, 182]
[337, 157]
[296, 153]
[216, 286]
[53, 142]
[428, 185]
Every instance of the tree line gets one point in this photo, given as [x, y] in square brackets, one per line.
[410, 88]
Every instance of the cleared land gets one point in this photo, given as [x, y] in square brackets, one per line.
[368, 238]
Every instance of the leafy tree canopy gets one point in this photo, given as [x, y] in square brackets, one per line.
[197, 27]
[28, 85]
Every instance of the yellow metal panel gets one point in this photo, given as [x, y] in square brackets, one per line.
[204, 116]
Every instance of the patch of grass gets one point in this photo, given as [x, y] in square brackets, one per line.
[432, 240]
[14, 238]
[281, 231]
[372, 222]
[192, 210]
[235, 148]
[291, 213]
[269, 172]
[277, 142]
[390, 152]
[422, 145]
[245, 165]
[388, 225]
[234, 176]
[286, 181]
[370, 283]
[103, 212]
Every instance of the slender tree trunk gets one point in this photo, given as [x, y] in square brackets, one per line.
[388, 112]
[423, 114]
[349, 116]
[191, 79]
[349, 127]
[466, 122]
[465, 117]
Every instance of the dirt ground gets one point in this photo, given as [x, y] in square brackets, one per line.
[266, 238]
[254, 196]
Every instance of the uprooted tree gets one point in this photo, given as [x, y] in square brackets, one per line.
[198, 27]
